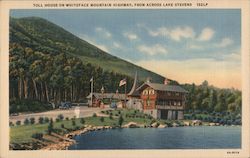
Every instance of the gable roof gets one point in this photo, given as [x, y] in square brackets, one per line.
[163, 87]
[107, 95]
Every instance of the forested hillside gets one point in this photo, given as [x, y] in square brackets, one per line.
[206, 98]
[49, 64]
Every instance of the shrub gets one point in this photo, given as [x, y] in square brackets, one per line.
[60, 117]
[82, 121]
[26, 105]
[18, 123]
[73, 122]
[76, 128]
[38, 136]
[50, 126]
[46, 119]
[110, 117]
[119, 112]
[32, 120]
[102, 112]
[62, 125]
[11, 124]
[102, 119]
[67, 118]
[94, 115]
[41, 120]
[120, 120]
[57, 119]
[26, 121]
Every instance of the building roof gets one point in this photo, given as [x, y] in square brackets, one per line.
[107, 95]
[133, 91]
[163, 87]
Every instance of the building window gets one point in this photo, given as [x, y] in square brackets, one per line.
[179, 103]
[145, 92]
[177, 94]
[169, 94]
[148, 102]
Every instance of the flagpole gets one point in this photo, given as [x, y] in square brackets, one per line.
[125, 94]
[92, 81]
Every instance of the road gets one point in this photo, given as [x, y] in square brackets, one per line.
[84, 112]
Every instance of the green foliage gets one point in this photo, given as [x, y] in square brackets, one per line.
[82, 121]
[206, 98]
[110, 116]
[26, 121]
[27, 105]
[46, 119]
[41, 120]
[73, 122]
[32, 120]
[94, 115]
[37, 136]
[120, 120]
[18, 123]
[50, 126]
[102, 119]
[11, 124]
[46, 60]
[60, 117]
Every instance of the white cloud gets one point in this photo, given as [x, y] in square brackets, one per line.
[225, 42]
[152, 50]
[194, 46]
[221, 73]
[175, 34]
[206, 34]
[130, 36]
[117, 45]
[103, 32]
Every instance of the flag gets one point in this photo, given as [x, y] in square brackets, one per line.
[91, 80]
[122, 82]
[166, 81]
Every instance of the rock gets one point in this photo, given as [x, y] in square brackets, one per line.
[155, 125]
[217, 124]
[196, 123]
[131, 125]
[187, 123]
[162, 126]
[175, 125]
[211, 124]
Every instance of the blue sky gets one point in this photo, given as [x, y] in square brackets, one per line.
[186, 45]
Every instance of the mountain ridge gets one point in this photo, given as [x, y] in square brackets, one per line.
[38, 31]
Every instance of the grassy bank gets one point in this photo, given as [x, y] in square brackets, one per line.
[25, 133]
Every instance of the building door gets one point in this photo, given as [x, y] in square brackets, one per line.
[164, 114]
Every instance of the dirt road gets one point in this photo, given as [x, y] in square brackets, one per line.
[84, 112]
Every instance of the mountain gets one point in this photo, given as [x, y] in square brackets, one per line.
[44, 35]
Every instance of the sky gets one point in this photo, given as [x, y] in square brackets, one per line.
[187, 45]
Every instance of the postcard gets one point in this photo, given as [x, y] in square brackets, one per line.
[125, 78]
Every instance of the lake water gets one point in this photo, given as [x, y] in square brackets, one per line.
[203, 137]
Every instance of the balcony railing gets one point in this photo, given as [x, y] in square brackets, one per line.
[169, 107]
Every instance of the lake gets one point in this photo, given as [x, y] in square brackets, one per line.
[202, 137]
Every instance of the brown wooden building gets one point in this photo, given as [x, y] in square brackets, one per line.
[98, 97]
[163, 101]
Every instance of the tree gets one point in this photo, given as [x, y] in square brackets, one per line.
[120, 120]
[50, 126]
[82, 121]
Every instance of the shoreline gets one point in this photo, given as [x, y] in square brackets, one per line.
[69, 137]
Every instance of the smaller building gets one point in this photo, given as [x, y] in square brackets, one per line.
[163, 101]
[97, 98]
